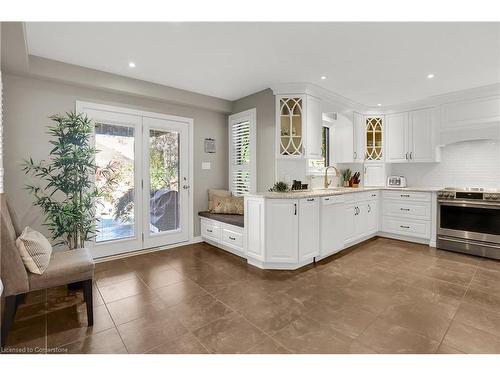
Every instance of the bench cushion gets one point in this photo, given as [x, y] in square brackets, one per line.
[237, 220]
[65, 267]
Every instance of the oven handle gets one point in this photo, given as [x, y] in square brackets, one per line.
[469, 242]
[495, 205]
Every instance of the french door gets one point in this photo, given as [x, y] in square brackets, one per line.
[143, 169]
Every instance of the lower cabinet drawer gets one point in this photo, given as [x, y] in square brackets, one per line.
[415, 210]
[211, 230]
[406, 227]
[407, 195]
[232, 238]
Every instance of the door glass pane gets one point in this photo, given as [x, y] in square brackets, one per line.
[115, 211]
[164, 180]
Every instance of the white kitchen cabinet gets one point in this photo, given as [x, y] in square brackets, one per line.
[332, 225]
[359, 138]
[422, 141]
[351, 222]
[407, 214]
[281, 230]
[342, 140]
[410, 137]
[298, 126]
[374, 174]
[397, 137]
[309, 228]
[371, 213]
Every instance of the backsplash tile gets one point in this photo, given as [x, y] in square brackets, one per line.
[475, 163]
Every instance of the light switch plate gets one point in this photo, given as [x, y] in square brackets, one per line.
[205, 165]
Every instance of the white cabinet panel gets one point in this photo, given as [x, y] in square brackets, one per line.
[254, 227]
[397, 137]
[371, 222]
[232, 237]
[342, 149]
[332, 225]
[351, 222]
[416, 210]
[407, 227]
[308, 228]
[282, 230]
[404, 195]
[374, 174]
[314, 126]
[422, 146]
[359, 131]
[211, 229]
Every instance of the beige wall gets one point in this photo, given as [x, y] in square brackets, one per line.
[264, 102]
[28, 102]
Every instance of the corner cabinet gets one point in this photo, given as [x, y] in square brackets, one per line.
[298, 126]
[411, 137]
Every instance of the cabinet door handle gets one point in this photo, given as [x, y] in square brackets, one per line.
[232, 238]
[404, 226]
[411, 155]
[327, 199]
[295, 208]
[209, 230]
[369, 208]
[404, 209]
[405, 195]
[406, 156]
[355, 155]
[310, 199]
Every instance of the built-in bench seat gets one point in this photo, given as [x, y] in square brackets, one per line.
[237, 220]
[224, 231]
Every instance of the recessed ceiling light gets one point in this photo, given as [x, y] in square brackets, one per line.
[379, 104]
[323, 77]
[430, 76]
[131, 64]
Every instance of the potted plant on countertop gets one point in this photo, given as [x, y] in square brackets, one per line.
[280, 186]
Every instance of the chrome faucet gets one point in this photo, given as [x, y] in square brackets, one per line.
[337, 173]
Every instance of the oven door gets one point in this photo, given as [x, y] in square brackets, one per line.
[478, 221]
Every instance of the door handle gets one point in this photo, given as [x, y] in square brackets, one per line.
[369, 208]
[355, 155]
[411, 155]
[232, 238]
[186, 186]
[310, 199]
[404, 209]
[406, 156]
[295, 208]
[405, 226]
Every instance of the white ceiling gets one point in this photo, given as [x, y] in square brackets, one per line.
[369, 63]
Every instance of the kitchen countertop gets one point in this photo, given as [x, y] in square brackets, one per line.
[335, 191]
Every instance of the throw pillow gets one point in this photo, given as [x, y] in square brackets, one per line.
[229, 205]
[35, 250]
[216, 193]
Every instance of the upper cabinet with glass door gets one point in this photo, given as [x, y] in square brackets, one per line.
[374, 138]
[299, 126]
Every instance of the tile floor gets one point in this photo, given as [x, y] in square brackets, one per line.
[382, 296]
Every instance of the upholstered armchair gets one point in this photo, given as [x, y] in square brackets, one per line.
[65, 267]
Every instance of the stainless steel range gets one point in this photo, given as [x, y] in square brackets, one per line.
[469, 221]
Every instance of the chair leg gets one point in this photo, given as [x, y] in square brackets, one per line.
[87, 296]
[8, 318]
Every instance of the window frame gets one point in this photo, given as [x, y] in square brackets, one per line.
[250, 116]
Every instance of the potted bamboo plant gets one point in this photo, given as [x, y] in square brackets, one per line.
[66, 192]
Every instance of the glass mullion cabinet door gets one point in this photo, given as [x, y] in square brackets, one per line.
[291, 123]
[374, 138]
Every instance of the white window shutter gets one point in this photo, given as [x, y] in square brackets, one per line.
[242, 168]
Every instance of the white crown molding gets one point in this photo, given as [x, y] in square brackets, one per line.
[343, 104]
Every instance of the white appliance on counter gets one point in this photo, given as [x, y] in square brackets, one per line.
[396, 181]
